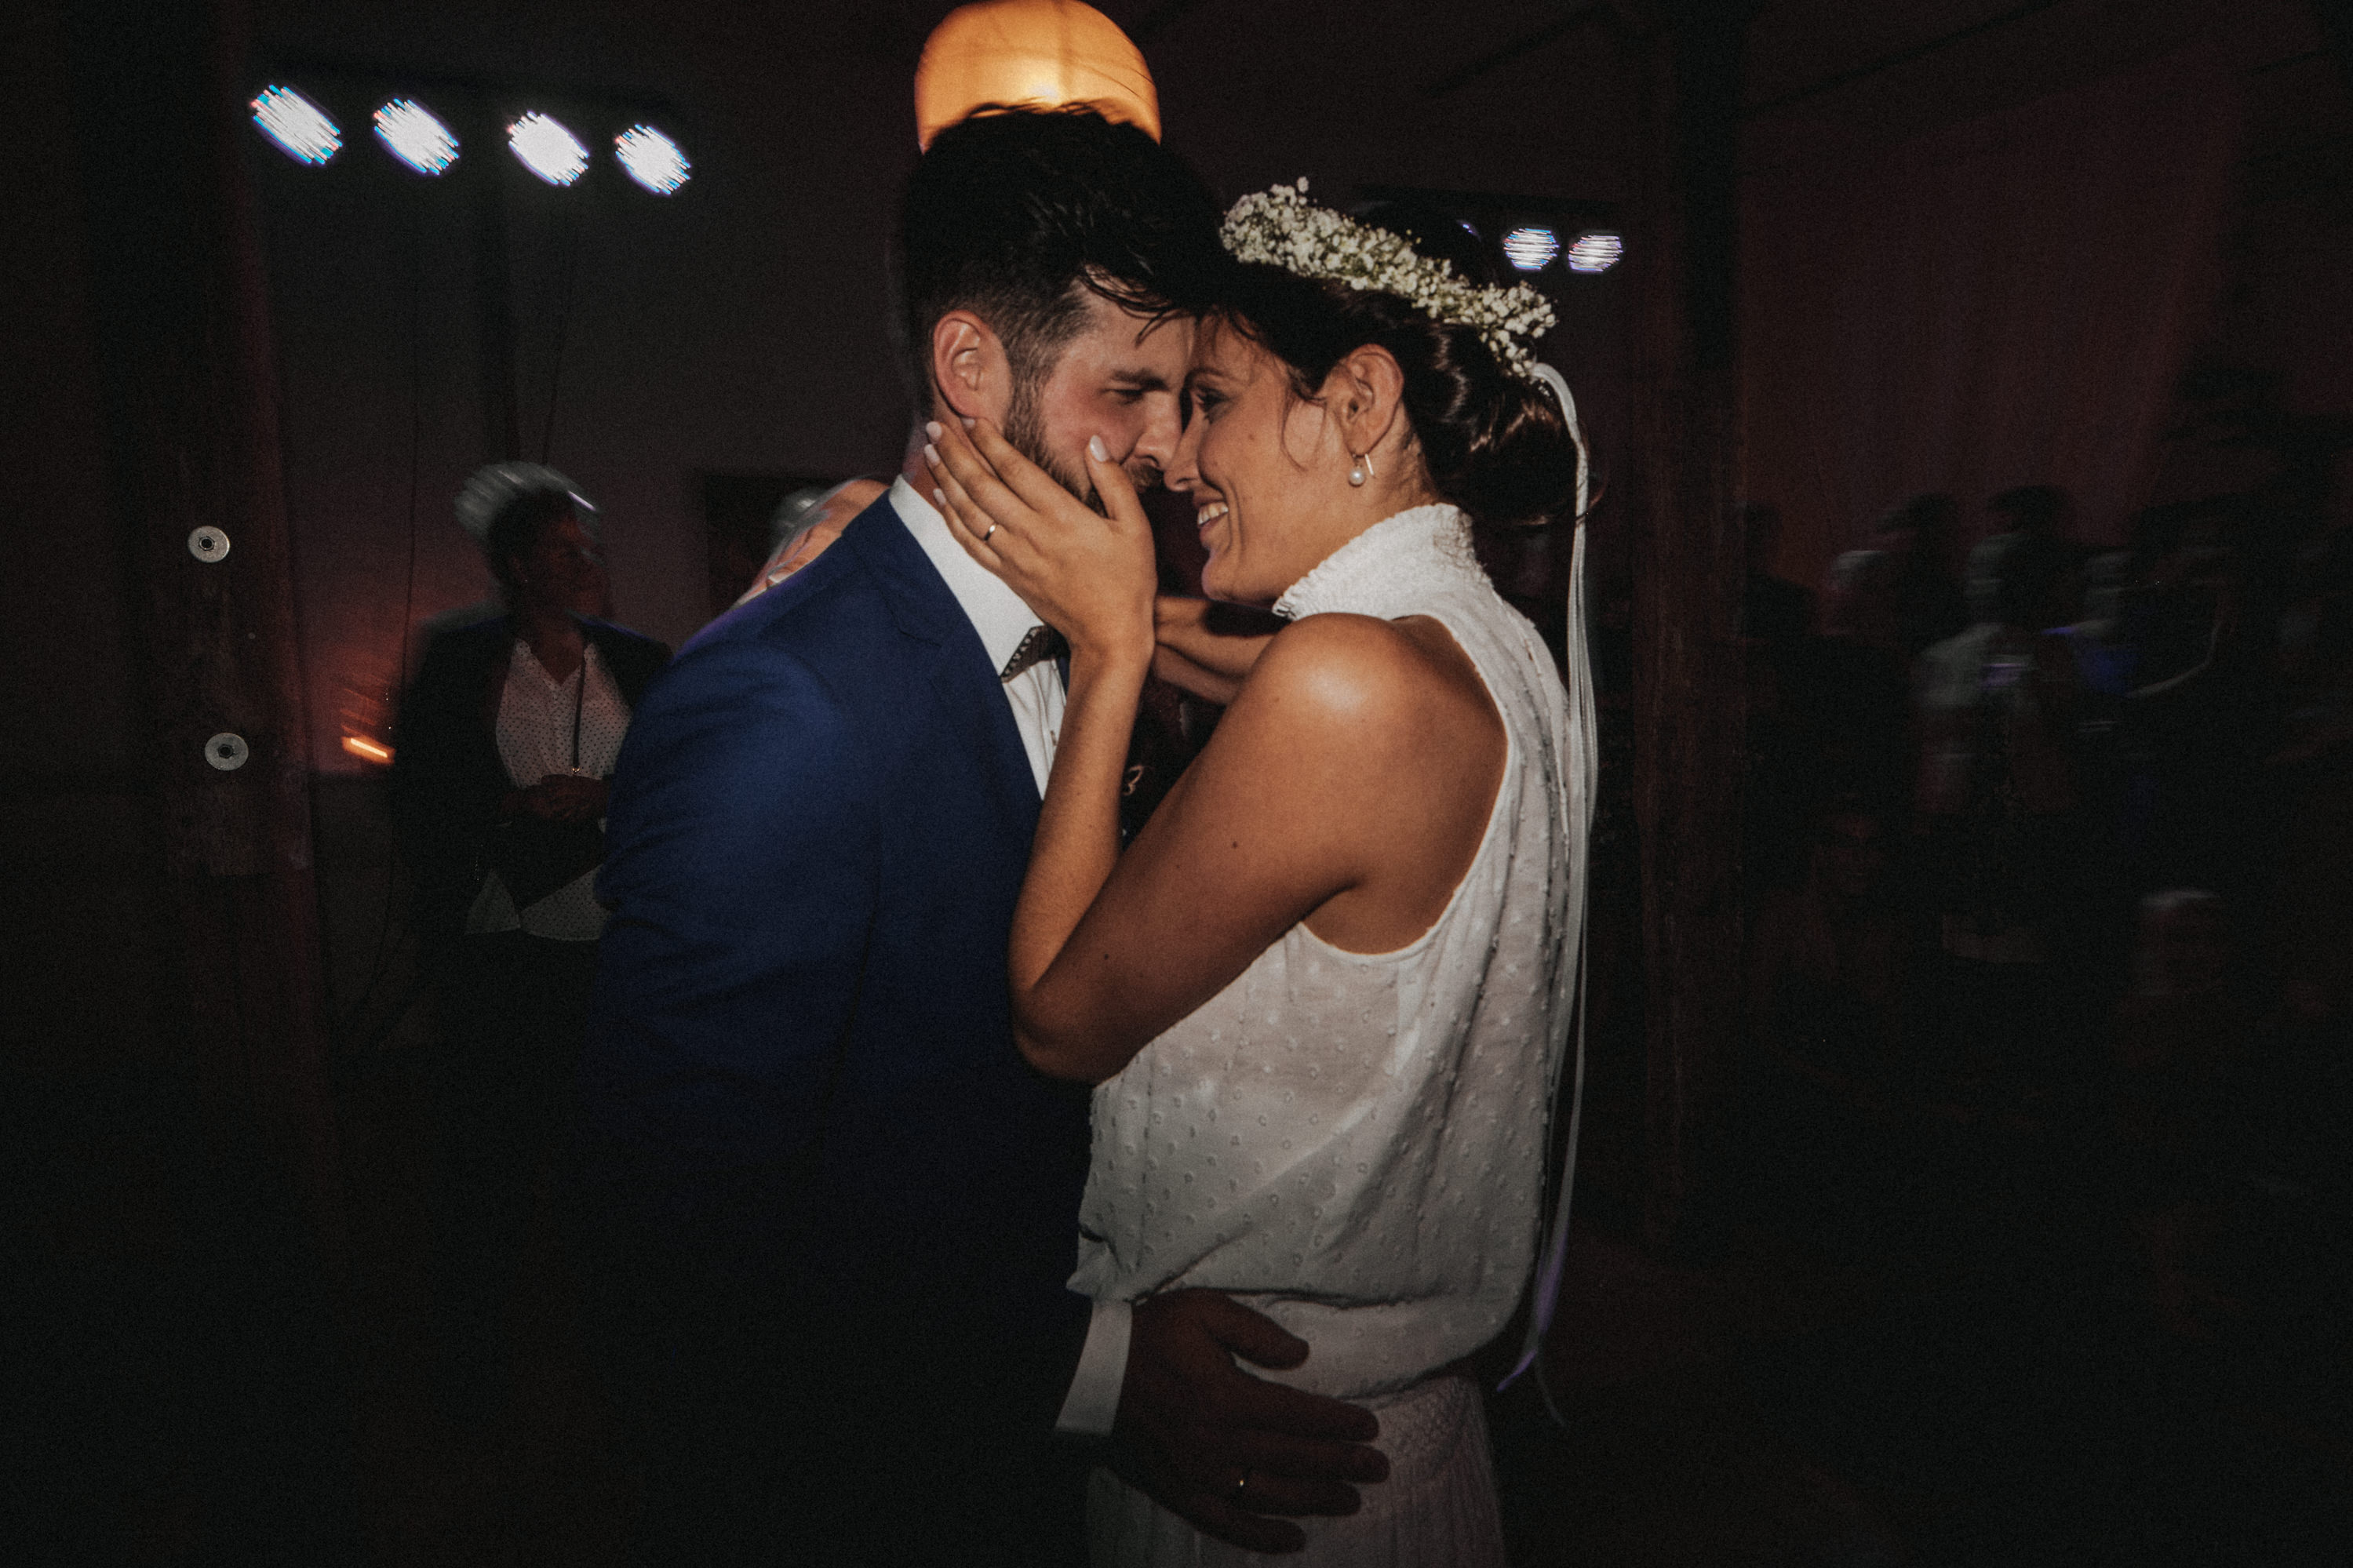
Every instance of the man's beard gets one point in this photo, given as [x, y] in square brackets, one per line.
[1025, 432]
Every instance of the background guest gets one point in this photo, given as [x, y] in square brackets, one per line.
[1920, 535]
[500, 754]
[1857, 687]
[1997, 796]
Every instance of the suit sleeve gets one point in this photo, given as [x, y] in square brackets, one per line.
[739, 870]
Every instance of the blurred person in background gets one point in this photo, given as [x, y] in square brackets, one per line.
[2314, 769]
[503, 746]
[1857, 686]
[2200, 716]
[1833, 1117]
[806, 521]
[1928, 604]
[1997, 798]
[2044, 512]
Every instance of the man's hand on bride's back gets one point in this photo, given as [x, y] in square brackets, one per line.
[1208, 1440]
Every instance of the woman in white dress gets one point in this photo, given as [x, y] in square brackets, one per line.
[1325, 993]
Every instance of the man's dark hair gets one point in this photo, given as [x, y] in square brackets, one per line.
[1015, 213]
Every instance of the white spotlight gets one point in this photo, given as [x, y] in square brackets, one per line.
[652, 159]
[1595, 252]
[299, 127]
[544, 147]
[410, 134]
[1531, 249]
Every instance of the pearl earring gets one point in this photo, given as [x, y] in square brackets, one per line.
[1361, 470]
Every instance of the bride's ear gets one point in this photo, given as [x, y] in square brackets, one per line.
[970, 369]
[1366, 390]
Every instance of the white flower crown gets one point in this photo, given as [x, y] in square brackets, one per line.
[1281, 227]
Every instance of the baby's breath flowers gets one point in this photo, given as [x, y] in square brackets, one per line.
[1281, 227]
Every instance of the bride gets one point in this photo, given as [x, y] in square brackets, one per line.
[1323, 994]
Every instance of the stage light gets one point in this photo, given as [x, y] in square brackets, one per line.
[651, 159]
[1531, 249]
[1595, 251]
[543, 147]
[299, 127]
[410, 134]
[366, 750]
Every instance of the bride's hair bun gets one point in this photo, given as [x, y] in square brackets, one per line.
[1495, 444]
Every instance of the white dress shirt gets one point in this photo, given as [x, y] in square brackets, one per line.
[998, 614]
[1036, 698]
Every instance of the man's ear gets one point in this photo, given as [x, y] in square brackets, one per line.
[970, 370]
[1366, 391]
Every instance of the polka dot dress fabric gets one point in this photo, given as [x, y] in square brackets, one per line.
[1354, 1143]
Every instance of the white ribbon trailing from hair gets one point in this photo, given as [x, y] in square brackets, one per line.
[1552, 1260]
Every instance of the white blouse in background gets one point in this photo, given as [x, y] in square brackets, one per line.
[536, 739]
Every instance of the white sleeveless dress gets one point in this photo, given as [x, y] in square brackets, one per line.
[1354, 1143]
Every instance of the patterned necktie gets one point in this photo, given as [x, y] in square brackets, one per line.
[1041, 643]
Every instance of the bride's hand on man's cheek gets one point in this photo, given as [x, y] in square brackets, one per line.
[1089, 575]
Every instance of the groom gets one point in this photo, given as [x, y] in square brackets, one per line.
[830, 1210]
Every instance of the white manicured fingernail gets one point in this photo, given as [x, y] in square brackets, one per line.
[941, 498]
[931, 453]
[1102, 453]
[967, 420]
[931, 428]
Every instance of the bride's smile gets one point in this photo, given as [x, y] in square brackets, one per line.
[1265, 464]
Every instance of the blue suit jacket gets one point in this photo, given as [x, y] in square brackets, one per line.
[800, 1077]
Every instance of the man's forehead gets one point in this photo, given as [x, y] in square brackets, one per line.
[1109, 321]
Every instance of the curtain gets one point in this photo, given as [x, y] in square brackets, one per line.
[2008, 301]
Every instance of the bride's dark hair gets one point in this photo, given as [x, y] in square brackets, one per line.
[1495, 444]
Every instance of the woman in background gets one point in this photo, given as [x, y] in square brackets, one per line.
[499, 758]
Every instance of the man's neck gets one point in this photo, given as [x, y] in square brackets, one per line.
[911, 467]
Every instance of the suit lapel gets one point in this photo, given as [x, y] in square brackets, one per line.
[926, 611]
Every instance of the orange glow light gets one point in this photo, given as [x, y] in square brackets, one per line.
[1031, 51]
[368, 750]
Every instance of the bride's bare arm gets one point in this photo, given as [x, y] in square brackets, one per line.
[1347, 785]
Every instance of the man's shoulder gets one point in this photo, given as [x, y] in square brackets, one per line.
[827, 638]
[849, 599]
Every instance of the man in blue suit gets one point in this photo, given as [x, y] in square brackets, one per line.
[831, 1210]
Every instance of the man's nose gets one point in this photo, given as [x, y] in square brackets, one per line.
[1162, 433]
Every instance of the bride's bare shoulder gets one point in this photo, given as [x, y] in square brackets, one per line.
[1370, 676]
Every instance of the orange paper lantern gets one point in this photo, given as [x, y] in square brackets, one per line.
[1031, 52]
